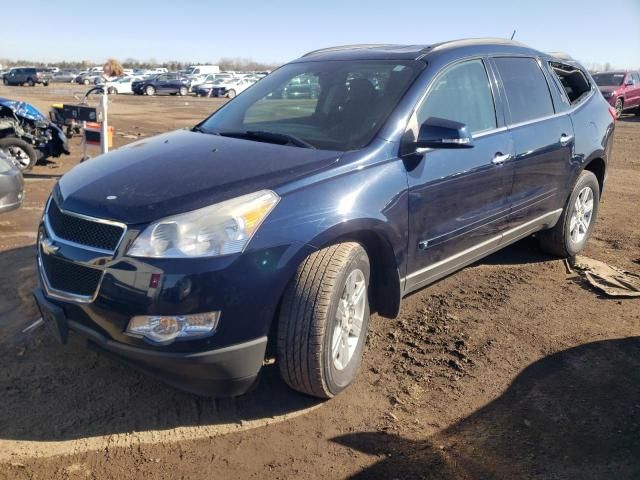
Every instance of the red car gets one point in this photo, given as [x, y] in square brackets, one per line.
[621, 89]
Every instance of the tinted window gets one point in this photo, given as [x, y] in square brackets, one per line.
[573, 81]
[526, 88]
[462, 94]
[609, 79]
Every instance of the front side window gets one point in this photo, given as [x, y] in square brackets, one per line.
[462, 94]
[332, 105]
[526, 88]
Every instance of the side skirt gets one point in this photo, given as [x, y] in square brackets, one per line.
[438, 270]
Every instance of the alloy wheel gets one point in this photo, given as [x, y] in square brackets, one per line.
[349, 319]
[582, 215]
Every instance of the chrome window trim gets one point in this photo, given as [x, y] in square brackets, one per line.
[56, 238]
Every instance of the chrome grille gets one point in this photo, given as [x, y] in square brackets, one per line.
[82, 231]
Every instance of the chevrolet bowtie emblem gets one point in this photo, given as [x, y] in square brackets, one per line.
[47, 246]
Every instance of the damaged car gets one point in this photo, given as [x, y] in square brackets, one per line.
[27, 136]
[11, 184]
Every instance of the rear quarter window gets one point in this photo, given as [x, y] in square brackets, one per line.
[526, 88]
[575, 83]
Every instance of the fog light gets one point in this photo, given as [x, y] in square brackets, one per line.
[167, 328]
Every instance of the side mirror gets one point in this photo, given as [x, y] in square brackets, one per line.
[441, 133]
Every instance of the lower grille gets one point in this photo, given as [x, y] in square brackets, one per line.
[70, 278]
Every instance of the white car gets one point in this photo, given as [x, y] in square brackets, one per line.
[224, 87]
[120, 85]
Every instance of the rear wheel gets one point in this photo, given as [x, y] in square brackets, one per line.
[619, 106]
[183, 91]
[5, 81]
[86, 81]
[112, 91]
[231, 93]
[577, 221]
[150, 90]
[31, 83]
[23, 153]
[323, 322]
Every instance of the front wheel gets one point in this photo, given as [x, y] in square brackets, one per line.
[231, 94]
[86, 81]
[619, 107]
[5, 81]
[31, 83]
[23, 153]
[323, 322]
[183, 91]
[112, 91]
[577, 221]
[150, 90]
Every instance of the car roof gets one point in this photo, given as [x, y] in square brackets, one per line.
[462, 47]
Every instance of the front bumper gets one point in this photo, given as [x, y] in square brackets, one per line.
[11, 191]
[227, 371]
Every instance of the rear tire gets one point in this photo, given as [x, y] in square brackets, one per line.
[112, 91]
[570, 234]
[5, 81]
[323, 321]
[86, 81]
[183, 91]
[31, 83]
[231, 94]
[21, 151]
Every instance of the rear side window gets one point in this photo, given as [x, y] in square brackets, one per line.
[462, 94]
[526, 88]
[636, 77]
[573, 80]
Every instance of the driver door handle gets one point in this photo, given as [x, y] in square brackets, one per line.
[500, 158]
[565, 139]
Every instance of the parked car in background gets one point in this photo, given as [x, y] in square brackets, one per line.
[64, 76]
[225, 87]
[87, 78]
[287, 223]
[170, 83]
[11, 184]
[120, 85]
[27, 76]
[195, 70]
[621, 89]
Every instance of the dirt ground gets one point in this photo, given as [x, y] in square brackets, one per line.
[510, 369]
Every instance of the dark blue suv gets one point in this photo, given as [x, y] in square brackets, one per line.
[277, 225]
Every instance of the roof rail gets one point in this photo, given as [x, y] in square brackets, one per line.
[347, 47]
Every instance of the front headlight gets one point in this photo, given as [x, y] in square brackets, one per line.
[220, 229]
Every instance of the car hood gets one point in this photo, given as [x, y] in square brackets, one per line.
[181, 171]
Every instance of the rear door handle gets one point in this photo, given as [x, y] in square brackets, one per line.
[500, 158]
[565, 139]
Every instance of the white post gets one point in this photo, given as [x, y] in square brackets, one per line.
[104, 126]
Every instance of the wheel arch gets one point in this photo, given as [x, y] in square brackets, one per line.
[598, 167]
[385, 282]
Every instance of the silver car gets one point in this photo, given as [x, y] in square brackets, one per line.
[11, 184]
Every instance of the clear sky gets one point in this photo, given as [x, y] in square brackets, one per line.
[278, 30]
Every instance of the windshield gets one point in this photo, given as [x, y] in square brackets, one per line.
[334, 105]
[608, 79]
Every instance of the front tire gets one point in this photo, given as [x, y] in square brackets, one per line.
[31, 83]
[231, 94]
[183, 91]
[24, 154]
[619, 107]
[577, 221]
[323, 322]
[150, 90]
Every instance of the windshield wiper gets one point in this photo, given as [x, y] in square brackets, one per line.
[269, 136]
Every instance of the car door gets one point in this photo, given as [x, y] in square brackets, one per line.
[458, 198]
[161, 83]
[543, 141]
[635, 89]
